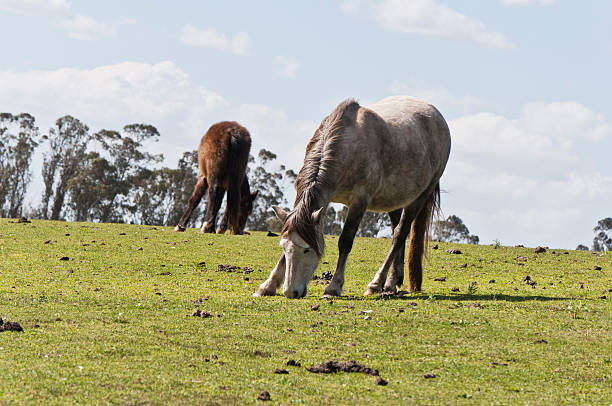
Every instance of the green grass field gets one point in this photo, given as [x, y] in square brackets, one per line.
[113, 323]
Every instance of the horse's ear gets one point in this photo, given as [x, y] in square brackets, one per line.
[280, 213]
[317, 216]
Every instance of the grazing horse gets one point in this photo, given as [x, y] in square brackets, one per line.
[223, 155]
[388, 156]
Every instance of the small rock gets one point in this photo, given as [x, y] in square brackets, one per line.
[64, 259]
[47, 242]
[367, 317]
[197, 313]
[521, 258]
[492, 281]
[380, 381]
[603, 297]
[453, 251]
[581, 286]
[281, 371]
[213, 357]
[293, 363]
[314, 308]
[463, 266]
[440, 279]
[454, 289]
[429, 376]
[264, 396]
[526, 278]
[539, 250]
[139, 249]
[597, 268]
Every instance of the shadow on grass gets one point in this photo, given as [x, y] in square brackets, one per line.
[479, 297]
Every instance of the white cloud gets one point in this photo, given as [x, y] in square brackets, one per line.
[191, 35]
[289, 66]
[425, 17]
[20, 6]
[528, 3]
[112, 96]
[530, 178]
[82, 27]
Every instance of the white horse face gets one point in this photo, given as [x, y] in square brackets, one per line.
[301, 262]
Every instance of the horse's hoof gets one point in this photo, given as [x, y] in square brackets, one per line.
[390, 289]
[219, 231]
[371, 291]
[179, 228]
[332, 292]
[262, 291]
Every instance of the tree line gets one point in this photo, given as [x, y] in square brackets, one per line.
[108, 176]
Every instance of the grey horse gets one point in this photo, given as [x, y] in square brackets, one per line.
[385, 157]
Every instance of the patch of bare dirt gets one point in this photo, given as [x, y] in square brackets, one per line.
[342, 366]
[10, 326]
[234, 269]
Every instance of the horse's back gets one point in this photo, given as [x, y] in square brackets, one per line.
[225, 143]
[399, 147]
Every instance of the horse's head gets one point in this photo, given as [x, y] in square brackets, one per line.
[301, 257]
[246, 207]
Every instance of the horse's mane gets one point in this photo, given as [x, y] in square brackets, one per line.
[318, 175]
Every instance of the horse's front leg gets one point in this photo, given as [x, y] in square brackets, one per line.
[345, 244]
[194, 200]
[276, 278]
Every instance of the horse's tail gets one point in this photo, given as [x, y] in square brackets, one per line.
[239, 148]
[419, 237]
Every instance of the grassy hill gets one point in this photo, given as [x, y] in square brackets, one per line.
[107, 316]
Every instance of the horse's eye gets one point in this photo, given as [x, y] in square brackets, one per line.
[306, 250]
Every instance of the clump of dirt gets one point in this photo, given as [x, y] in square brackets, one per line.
[527, 279]
[281, 371]
[539, 250]
[23, 219]
[455, 289]
[541, 341]
[314, 308]
[597, 268]
[234, 269]
[435, 247]
[380, 381]
[293, 363]
[264, 396]
[10, 326]
[521, 258]
[492, 281]
[342, 366]
[463, 265]
[327, 275]
[440, 279]
[429, 376]
[271, 234]
[202, 314]
[453, 251]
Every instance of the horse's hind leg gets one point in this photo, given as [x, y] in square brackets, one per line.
[345, 244]
[400, 233]
[215, 197]
[396, 275]
[194, 200]
[276, 278]
[233, 206]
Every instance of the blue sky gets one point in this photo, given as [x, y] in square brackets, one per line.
[524, 85]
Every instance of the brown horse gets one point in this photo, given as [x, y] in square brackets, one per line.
[223, 155]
